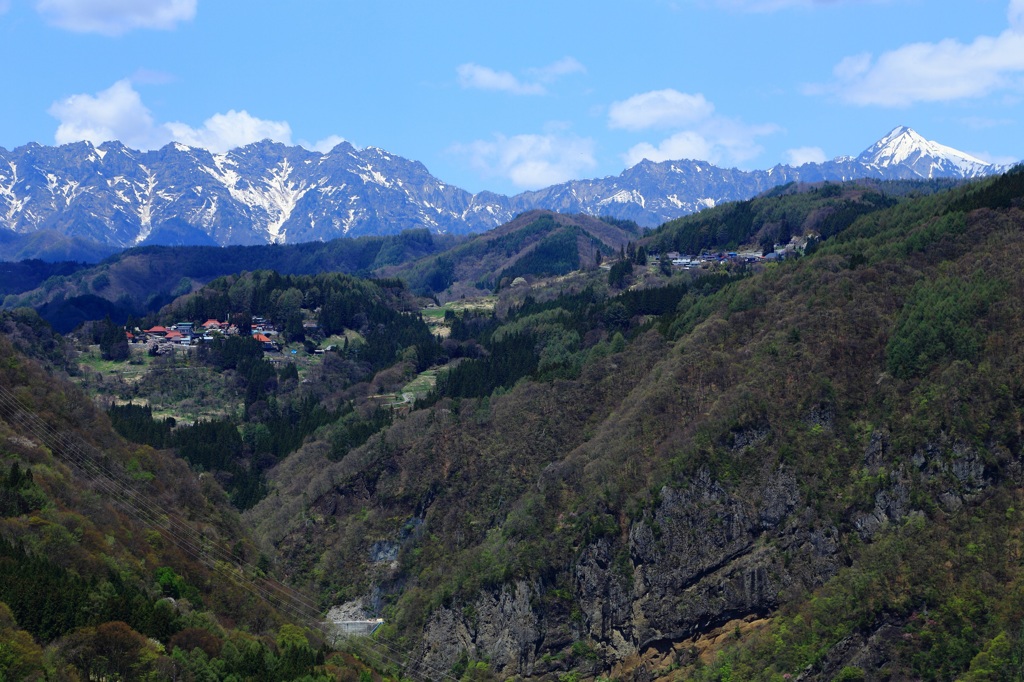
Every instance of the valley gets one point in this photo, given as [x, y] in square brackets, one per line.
[538, 453]
[512, 342]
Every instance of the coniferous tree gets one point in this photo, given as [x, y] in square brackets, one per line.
[113, 342]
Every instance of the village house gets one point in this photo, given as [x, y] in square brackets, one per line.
[268, 343]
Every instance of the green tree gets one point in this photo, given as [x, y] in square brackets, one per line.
[665, 265]
[620, 273]
[996, 662]
[113, 341]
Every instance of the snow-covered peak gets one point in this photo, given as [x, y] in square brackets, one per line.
[903, 146]
[267, 192]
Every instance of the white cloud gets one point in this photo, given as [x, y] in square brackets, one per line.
[479, 77]
[944, 71]
[565, 66]
[323, 146]
[222, 132]
[115, 17]
[801, 155]
[531, 161]
[659, 109]
[688, 144]
[118, 113]
[717, 140]
[852, 67]
[475, 76]
[935, 72]
[700, 134]
[1015, 15]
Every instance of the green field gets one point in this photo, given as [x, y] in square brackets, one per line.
[434, 316]
[422, 384]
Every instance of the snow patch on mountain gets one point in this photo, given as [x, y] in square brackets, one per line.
[15, 204]
[275, 195]
[146, 207]
[206, 215]
[283, 196]
[371, 175]
[624, 196]
[62, 194]
[228, 177]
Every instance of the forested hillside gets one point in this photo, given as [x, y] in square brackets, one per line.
[143, 280]
[116, 560]
[234, 410]
[804, 469]
[534, 246]
[812, 470]
[824, 209]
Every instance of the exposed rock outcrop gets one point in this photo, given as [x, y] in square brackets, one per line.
[703, 556]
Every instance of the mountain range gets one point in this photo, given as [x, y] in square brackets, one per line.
[81, 201]
[809, 469]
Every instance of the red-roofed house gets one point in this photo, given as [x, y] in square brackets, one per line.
[268, 344]
[157, 331]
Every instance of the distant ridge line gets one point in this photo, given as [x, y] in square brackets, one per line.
[109, 197]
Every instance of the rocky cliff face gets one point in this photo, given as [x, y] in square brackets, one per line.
[704, 556]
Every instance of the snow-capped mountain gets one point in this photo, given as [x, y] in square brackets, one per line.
[266, 192]
[652, 193]
[905, 148]
[261, 193]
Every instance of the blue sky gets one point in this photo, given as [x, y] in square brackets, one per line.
[508, 96]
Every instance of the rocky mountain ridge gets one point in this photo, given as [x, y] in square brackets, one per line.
[114, 197]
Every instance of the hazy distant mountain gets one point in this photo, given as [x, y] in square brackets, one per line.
[113, 197]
